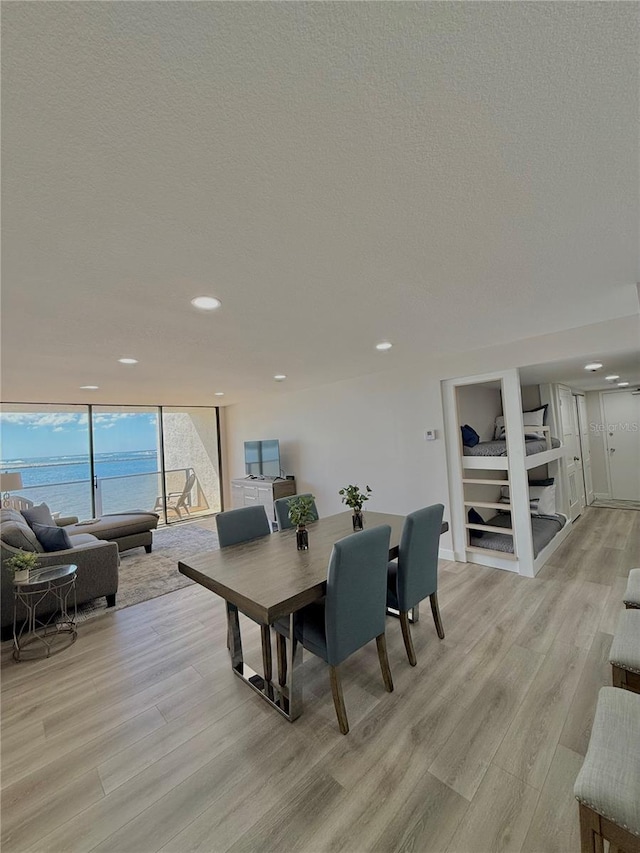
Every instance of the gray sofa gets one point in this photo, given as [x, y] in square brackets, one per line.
[97, 563]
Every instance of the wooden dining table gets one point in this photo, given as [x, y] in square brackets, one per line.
[268, 578]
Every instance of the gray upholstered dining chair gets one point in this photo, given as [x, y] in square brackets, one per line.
[352, 613]
[414, 575]
[242, 525]
[281, 506]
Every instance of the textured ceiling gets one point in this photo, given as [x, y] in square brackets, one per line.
[571, 371]
[443, 175]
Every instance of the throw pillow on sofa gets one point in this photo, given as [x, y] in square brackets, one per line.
[52, 538]
[19, 535]
[40, 514]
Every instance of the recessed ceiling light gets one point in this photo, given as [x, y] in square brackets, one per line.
[622, 384]
[218, 394]
[612, 378]
[595, 365]
[384, 345]
[128, 360]
[89, 387]
[206, 303]
[280, 377]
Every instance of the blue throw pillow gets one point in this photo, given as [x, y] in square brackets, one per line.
[40, 514]
[469, 436]
[52, 538]
[475, 518]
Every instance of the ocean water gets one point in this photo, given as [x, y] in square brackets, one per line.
[126, 481]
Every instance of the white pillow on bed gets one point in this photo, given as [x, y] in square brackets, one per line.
[533, 419]
[542, 499]
[529, 419]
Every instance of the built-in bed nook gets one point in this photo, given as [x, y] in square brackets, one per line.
[505, 472]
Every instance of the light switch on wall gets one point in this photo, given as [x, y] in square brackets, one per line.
[429, 435]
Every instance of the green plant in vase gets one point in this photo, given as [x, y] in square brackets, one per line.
[300, 514]
[354, 498]
[21, 564]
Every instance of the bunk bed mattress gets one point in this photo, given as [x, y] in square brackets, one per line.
[543, 529]
[499, 448]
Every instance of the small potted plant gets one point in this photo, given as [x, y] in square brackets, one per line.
[21, 564]
[354, 498]
[301, 514]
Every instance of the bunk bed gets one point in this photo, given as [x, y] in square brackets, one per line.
[543, 529]
[493, 455]
[498, 447]
[491, 479]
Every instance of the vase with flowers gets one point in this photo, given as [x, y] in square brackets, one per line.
[354, 499]
[300, 514]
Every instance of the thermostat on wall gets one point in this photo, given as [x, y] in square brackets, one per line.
[429, 435]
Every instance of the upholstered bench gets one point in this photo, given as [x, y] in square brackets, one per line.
[624, 656]
[608, 785]
[127, 529]
[632, 593]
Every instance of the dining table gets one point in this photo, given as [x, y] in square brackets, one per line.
[269, 578]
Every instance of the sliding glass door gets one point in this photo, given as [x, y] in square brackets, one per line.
[95, 460]
[48, 448]
[192, 475]
[126, 454]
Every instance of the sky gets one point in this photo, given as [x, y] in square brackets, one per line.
[27, 435]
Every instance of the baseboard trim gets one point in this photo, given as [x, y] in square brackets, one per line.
[446, 554]
[603, 496]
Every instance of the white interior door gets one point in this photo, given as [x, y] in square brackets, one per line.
[571, 441]
[622, 434]
[585, 450]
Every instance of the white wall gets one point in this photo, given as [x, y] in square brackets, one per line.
[479, 406]
[370, 430]
[367, 431]
[530, 397]
[597, 444]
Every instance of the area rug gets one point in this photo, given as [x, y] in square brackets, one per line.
[612, 504]
[143, 576]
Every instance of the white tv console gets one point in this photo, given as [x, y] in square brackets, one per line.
[247, 492]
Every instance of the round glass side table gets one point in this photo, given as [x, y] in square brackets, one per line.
[57, 586]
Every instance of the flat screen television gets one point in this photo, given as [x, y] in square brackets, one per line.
[262, 458]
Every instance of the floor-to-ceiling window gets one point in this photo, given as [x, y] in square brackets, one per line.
[49, 448]
[192, 475]
[93, 460]
[126, 454]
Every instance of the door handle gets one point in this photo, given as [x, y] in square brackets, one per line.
[612, 450]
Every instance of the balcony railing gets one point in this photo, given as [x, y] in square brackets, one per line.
[123, 493]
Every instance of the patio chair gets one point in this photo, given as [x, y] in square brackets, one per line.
[177, 501]
[17, 502]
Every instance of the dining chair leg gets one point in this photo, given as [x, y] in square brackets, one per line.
[433, 598]
[234, 637]
[381, 643]
[338, 699]
[266, 652]
[281, 654]
[406, 636]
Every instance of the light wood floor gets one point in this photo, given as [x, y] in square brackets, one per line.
[139, 738]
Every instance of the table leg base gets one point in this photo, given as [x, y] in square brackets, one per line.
[275, 695]
[414, 613]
